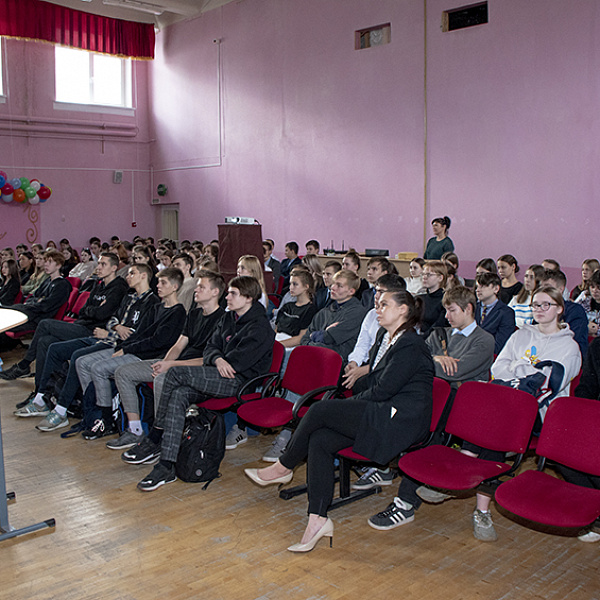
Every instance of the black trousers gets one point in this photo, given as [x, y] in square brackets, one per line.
[328, 427]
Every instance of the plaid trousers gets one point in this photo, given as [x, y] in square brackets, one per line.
[184, 386]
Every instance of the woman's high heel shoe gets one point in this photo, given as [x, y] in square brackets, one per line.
[253, 474]
[325, 531]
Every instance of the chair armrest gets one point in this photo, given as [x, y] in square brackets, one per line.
[271, 378]
[328, 390]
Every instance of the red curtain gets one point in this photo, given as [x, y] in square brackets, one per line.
[37, 20]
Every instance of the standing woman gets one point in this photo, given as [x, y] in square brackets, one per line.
[508, 267]
[587, 268]
[440, 243]
[392, 411]
[521, 303]
[252, 267]
[10, 283]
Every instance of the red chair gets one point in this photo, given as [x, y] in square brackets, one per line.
[74, 281]
[347, 456]
[18, 298]
[311, 373]
[244, 394]
[79, 303]
[569, 436]
[16, 335]
[491, 416]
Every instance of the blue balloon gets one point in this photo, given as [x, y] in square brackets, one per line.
[15, 182]
[2, 181]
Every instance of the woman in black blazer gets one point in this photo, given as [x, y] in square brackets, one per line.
[391, 411]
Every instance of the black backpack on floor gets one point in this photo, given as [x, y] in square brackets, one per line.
[202, 446]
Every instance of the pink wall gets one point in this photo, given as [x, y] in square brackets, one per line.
[85, 201]
[316, 139]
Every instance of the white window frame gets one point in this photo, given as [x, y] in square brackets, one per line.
[127, 90]
[3, 83]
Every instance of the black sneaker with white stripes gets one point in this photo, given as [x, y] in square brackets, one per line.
[372, 478]
[396, 514]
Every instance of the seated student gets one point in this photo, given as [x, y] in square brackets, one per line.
[492, 315]
[86, 267]
[451, 260]
[590, 302]
[250, 266]
[185, 263]
[240, 348]
[119, 327]
[574, 314]
[351, 262]
[508, 267]
[20, 248]
[37, 278]
[337, 326]
[70, 261]
[10, 282]
[313, 264]
[293, 318]
[376, 267]
[323, 295]
[103, 302]
[37, 249]
[486, 265]
[587, 268]
[157, 332]
[271, 263]
[461, 352]
[435, 275]
[143, 254]
[414, 283]
[312, 247]
[290, 261]
[7, 253]
[400, 380]
[358, 359]
[521, 303]
[186, 352]
[26, 266]
[42, 305]
[164, 258]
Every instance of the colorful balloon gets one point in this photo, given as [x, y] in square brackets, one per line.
[7, 197]
[2, 181]
[15, 182]
[35, 184]
[3, 174]
[34, 200]
[44, 193]
[24, 182]
[30, 192]
[19, 196]
[7, 189]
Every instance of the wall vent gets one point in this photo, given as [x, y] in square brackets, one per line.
[466, 16]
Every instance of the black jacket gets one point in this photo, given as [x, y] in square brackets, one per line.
[245, 343]
[46, 300]
[102, 304]
[399, 391]
[157, 332]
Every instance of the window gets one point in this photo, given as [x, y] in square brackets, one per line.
[373, 36]
[87, 78]
[467, 16]
[1, 69]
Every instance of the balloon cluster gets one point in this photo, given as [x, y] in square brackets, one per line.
[21, 190]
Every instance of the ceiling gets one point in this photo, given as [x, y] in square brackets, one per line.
[159, 12]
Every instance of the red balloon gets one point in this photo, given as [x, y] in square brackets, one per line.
[7, 189]
[19, 196]
[44, 193]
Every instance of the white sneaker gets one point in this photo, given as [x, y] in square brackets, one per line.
[589, 537]
[235, 437]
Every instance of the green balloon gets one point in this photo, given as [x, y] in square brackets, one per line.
[24, 182]
[30, 192]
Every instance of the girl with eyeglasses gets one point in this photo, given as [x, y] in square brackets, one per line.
[547, 339]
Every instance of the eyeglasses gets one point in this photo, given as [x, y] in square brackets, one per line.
[545, 306]
[428, 274]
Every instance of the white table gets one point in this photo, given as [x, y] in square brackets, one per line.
[8, 319]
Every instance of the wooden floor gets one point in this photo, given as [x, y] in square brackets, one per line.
[229, 542]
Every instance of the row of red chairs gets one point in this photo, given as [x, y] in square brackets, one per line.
[68, 312]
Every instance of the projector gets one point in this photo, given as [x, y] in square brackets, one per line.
[240, 220]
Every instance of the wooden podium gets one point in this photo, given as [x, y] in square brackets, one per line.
[235, 241]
